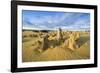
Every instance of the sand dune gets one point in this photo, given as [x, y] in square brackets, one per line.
[63, 54]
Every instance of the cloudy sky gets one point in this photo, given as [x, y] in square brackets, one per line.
[46, 20]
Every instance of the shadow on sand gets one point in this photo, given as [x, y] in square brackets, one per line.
[82, 40]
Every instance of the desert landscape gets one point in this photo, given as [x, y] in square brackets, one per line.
[55, 35]
[55, 45]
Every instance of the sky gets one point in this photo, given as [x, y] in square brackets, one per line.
[47, 20]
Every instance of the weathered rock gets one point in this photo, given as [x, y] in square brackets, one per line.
[45, 43]
[71, 43]
[59, 35]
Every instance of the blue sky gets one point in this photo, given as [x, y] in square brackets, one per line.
[47, 20]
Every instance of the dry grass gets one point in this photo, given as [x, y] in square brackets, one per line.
[32, 42]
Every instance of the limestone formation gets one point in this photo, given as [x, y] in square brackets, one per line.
[45, 43]
[59, 35]
[71, 43]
